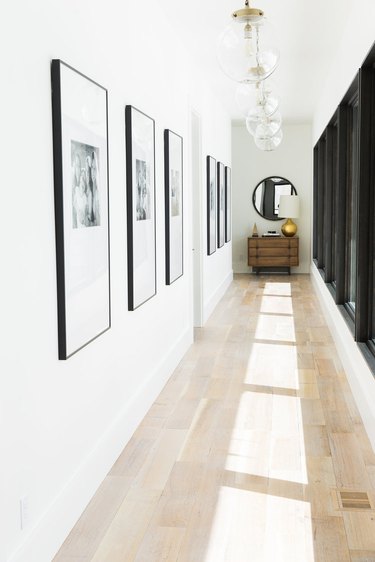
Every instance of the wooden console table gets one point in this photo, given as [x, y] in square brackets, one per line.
[273, 253]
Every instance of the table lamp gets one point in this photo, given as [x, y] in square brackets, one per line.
[289, 207]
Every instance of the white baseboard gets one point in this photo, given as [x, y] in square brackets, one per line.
[45, 539]
[209, 306]
[360, 377]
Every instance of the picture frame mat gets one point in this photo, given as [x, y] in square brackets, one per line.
[220, 205]
[228, 204]
[174, 205]
[140, 135]
[86, 256]
[211, 205]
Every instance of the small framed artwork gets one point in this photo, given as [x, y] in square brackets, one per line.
[211, 205]
[220, 205]
[173, 178]
[80, 150]
[140, 190]
[228, 204]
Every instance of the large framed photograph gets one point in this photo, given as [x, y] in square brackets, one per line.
[220, 205]
[228, 204]
[140, 189]
[211, 205]
[173, 177]
[80, 149]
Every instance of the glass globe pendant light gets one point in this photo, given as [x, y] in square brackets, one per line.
[255, 100]
[245, 50]
[269, 143]
[262, 125]
[268, 127]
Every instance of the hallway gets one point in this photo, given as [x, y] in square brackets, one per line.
[253, 452]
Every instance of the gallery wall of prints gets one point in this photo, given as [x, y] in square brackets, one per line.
[68, 420]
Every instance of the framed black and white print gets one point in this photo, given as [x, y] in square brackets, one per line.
[80, 149]
[173, 177]
[211, 205]
[228, 204]
[220, 205]
[140, 189]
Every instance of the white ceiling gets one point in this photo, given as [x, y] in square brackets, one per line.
[309, 34]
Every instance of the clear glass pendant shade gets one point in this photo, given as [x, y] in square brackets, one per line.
[252, 100]
[262, 125]
[270, 143]
[252, 124]
[267, 105]
[268, 127]
[245, 51]
[246, 97]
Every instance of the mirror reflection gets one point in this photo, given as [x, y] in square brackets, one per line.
[266, 196]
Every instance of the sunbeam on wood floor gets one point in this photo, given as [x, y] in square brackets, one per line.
[253, 452]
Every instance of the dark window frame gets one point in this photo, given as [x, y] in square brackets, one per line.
[352, 181]
[332, 187]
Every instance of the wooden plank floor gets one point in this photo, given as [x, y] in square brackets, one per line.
[245, 453]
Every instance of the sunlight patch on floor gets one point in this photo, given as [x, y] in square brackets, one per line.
[250, 444]
[277, 289]
[275, 328]
[288, 457]
[267, 438]
[256, 527]
[270, 364]
[276, 305]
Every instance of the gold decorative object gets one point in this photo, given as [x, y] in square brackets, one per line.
[247, 14]
[289, 228]
[255, 231]
[289, 207]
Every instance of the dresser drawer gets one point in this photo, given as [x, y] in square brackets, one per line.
[273, 252]
[280, 261]
[269, 242]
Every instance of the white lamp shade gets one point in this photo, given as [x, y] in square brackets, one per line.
[289, 206]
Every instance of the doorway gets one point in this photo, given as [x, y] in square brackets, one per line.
[196, 182]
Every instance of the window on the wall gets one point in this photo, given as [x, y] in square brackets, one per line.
[320, 203]
[344, 207]
[315, 206]
[334, 197]
[352, 207]
[329, 185]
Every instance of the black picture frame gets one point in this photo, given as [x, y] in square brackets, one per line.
[174, 196]
[81, 190]
[228, 204]
[141, 211]
[211, 205]
[220, 204]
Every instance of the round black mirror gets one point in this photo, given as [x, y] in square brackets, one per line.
[266, 196]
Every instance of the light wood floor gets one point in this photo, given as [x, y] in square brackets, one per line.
[244, 455]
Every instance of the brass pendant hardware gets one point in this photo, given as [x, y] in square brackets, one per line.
[247, 13]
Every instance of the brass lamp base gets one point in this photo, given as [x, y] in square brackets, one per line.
[289, 228]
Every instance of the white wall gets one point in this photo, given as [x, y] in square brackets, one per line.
[292, 160]
[63, 424]
[353, 44]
